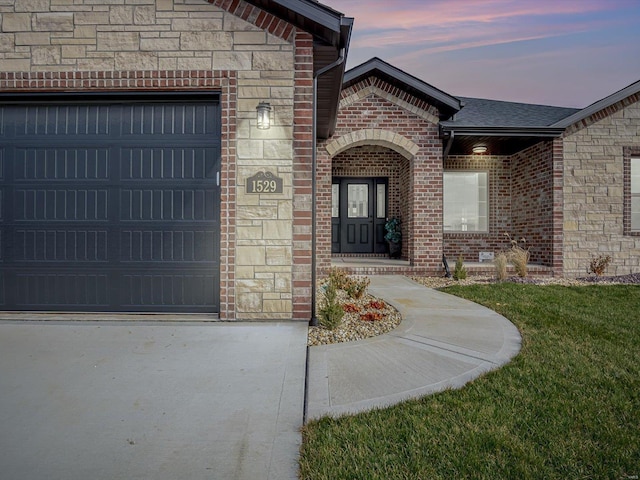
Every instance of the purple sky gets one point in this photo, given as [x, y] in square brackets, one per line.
[553, 52]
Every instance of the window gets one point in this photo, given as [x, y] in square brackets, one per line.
[335, 200]
[635, 194]
[381, 199]
[466, 202]
[358, 200]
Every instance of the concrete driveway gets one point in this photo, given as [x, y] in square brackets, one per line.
[148, 401]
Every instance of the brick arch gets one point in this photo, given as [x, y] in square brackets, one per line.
[371, 136]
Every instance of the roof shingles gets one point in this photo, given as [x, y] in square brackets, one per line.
[479, 112]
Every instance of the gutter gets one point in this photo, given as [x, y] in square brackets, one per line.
[339, 61]
[503, 131]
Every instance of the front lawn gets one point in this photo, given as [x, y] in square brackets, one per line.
[567, 407]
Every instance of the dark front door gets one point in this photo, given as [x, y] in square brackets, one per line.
[358, 215]
[110, 205]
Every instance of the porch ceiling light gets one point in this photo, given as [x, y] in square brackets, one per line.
[479, 149]
[264, 115]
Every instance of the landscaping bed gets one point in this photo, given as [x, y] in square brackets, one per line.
[365, 317]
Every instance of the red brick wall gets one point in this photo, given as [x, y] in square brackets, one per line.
[469, 245]
[377, 161]
[532, 200]
[302, 177]
[422, 180]
[522, 202]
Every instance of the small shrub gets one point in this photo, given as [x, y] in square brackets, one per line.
[500, 263]
[599, 264]
[356, 286]
[338, 277]
[394, 232]
[331, 313]
[519, 256]
[459, 272]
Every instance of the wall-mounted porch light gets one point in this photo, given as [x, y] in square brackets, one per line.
[479, 149]
[264, 115]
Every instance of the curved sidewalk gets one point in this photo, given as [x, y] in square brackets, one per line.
[443, 342]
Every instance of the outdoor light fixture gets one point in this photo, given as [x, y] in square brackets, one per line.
[479, 149]
[264, 115]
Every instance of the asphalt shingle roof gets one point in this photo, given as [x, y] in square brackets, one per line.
[479, 112]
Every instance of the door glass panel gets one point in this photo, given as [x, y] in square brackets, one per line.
[381, 200]
[335, 200]
[358, 200]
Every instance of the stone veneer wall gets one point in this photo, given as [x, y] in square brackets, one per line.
[594, 203]
[169, 45]
[374, 112]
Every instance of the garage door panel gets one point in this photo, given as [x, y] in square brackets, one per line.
[48, 163]
[156, 245]
[114, 209]
[62, 290]
[68, 246]
[169, 119]
[60, 120]
[170, 163]
[179, 204]
[34, 204]
[145, 291]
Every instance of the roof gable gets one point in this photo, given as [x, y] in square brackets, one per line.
[596, 107]
[447, 104]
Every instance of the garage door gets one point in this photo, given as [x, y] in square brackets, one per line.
[110, 204]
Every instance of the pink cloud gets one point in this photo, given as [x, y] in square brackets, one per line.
[448, 25]
[412, 14]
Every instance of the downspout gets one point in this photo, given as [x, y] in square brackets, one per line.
[445, 154]
[314, 319]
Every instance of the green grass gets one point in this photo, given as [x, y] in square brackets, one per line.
[567, 407]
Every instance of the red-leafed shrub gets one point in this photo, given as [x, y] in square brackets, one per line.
[351, 308]
[371, 316]
[377, 305]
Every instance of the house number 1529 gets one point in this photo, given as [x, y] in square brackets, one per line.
[264, 186]
[264, 182]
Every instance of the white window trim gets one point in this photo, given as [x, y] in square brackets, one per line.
[633, 194]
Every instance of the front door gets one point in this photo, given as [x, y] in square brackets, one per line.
[359, 208]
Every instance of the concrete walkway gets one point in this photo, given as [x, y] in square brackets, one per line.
[122, 400]
[443, 342]
[146, 401]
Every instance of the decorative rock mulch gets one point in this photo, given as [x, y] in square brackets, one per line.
[441, 282]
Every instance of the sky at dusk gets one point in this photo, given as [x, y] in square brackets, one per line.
[554, 52]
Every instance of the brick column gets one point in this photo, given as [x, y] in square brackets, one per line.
[302, 176]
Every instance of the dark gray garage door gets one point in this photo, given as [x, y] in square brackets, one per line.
[110, 204]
